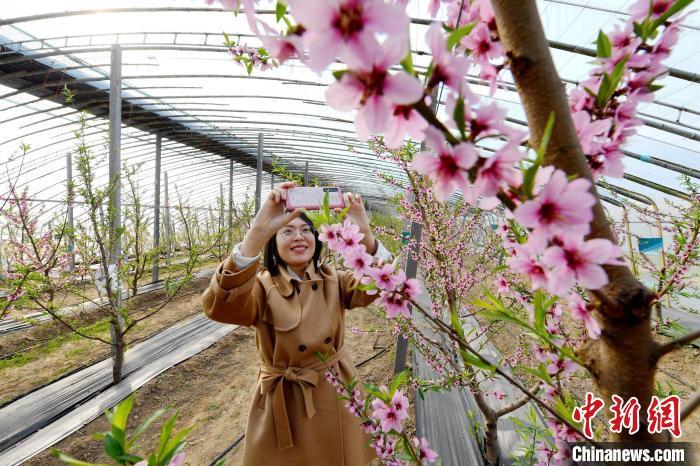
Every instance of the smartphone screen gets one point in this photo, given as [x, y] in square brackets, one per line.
[311, 198]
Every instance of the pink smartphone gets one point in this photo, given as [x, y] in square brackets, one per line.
[311, 198]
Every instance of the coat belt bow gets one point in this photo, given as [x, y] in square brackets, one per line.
[272, 381]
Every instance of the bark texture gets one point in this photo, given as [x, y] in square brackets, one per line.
[623, 361]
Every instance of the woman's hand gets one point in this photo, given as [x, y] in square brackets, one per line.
[359, 216]
[269, 219]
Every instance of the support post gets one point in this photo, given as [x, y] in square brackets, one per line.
[115, 125]
[411, 272]
[229, 245]
[69, 214]
[306, 173]
[168, 242]
[156, 213]
[258, 174]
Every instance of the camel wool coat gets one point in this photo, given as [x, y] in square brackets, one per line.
[295, 416]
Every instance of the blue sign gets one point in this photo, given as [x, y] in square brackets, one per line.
[647, 245]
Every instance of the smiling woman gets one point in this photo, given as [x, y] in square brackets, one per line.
[297, 306]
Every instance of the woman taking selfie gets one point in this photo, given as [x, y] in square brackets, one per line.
[297, 306]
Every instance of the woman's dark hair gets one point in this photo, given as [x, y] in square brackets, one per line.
[272, 256]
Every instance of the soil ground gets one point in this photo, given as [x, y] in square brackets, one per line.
[212, 392]
[56, 351]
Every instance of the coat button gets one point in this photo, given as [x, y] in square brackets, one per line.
[327, 340]
[302, 348]
[314, 286]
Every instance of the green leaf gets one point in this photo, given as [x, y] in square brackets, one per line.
[604, 45]
[130, 458]
[472, 360]
[229, 42]
[546, 136]
[407, 62]
[398, 380]
[337, 74]
[144, 425]
[121, 412]
[457, 35]
[112, 447]
[165, 432]
[69, 460]
[540, 310]
[678, 6]
[456, 322]
[280, 11]
[616, 75]
[458, 115]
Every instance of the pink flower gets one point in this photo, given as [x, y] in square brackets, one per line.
[400, 402]
[502, 284]
[284, 47]
[579, 309]
[649, 8]
[370, 86]
[395, 304]
[481, 45]
[404, 119]
[499, 170]
[587, 130]
[448, 169]
[411, 288]
[562, 207]
[580, 261]
[447, 67]
[564, 366]
[388, 416]
[424, 452]
[384, 277]
[526, 262]
[359, 261]
[346, 28]
[330, 234]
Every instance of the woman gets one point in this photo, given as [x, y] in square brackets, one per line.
[297, 307]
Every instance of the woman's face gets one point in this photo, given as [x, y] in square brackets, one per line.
[296, 243]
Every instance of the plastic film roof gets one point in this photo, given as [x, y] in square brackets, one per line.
[180, 81]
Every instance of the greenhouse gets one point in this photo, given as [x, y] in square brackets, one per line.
[503, 196]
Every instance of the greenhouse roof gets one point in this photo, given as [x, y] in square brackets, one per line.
[180, 81]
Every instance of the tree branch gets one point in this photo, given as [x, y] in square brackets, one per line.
[677, 343]
[517, 403]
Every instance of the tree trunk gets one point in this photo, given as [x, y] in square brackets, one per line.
[118, 354]
[623, 361]
[492, 449]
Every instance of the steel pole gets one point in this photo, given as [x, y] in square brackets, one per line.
[306, 173]
[156, 213]
[258, 175]
[115, 125]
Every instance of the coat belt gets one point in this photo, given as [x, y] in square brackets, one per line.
[272, 381]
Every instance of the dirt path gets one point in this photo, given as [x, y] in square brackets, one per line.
[212, 390]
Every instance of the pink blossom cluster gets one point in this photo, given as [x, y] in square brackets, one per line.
[395, 290]
[250, 56]
[605, 119]
[385, 421]
[482, 43]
